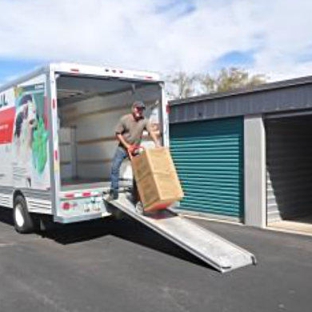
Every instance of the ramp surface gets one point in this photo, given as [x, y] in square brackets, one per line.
[209, 247]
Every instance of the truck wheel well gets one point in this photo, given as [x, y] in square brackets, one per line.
[17, 193]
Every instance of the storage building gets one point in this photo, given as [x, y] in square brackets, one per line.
[246, 155]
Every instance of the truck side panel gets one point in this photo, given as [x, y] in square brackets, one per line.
[24, 150]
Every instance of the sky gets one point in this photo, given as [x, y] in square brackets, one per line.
[270, 37]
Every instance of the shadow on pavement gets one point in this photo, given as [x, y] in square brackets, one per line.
[125, 228]
[6, 216]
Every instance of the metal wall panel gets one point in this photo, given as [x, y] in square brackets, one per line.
[289, 167]
[209, 160]
[232, 104]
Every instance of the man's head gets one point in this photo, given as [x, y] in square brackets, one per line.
[138, 108]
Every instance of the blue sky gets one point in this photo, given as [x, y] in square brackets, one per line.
[12, 68]
[236, 59]
[197, 36]
[178, 7]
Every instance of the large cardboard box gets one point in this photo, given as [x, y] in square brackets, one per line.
[157, 179]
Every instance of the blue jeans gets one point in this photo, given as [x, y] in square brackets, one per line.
[120, 155]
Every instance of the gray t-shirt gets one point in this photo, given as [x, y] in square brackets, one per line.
[132, 129]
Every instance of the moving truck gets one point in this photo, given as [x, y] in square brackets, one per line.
[57, 141]
[57, 138]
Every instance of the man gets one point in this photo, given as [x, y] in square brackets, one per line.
[129, 132]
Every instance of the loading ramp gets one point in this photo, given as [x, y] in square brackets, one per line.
[219, 253]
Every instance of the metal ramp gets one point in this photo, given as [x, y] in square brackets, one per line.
[209, 247]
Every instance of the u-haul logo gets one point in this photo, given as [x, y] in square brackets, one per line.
[3, 101]
[6, 125]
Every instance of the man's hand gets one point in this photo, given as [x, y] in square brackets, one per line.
[155, 139]
[157, 145]
[126, 145]
[131, 148]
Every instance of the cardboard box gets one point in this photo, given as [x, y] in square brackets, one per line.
[157, 179]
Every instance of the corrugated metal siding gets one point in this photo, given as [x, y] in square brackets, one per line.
[215, 106]
[289, 168]
[209, 160]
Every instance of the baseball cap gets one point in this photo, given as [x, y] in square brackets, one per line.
[138, 104]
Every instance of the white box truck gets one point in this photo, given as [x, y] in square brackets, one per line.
[57, 141]
[57, 138]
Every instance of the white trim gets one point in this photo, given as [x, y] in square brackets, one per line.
[103, 71]
[54, 144]
[254, 171]
[164, 118]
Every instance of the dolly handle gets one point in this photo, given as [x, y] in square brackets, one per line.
[133, 150]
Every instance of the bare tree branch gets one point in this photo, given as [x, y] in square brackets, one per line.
[184, 85]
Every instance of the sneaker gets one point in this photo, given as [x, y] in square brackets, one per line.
[113, 195]
[139, 208]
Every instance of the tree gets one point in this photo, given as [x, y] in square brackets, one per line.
[229, 79]
[182, 85]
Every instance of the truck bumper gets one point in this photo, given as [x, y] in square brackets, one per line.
[73, 219]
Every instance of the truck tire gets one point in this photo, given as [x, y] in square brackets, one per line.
[23, 221]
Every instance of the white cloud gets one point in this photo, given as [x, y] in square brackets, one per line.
[286, 37]
[160, 35]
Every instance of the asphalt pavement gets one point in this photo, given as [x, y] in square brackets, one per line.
[120, 265]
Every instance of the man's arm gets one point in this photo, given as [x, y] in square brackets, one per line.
[120, 128]
[152, 134]
[122, 140]
[154, 138]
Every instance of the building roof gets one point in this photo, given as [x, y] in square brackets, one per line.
[281, 96]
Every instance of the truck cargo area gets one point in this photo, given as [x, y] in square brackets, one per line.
[88, 111]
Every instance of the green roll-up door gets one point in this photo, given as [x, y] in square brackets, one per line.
[209, 160]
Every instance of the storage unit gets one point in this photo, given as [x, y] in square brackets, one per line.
[247, 153]
[209, 160]
[289, 168]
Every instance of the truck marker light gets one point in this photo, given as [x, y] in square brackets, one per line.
[55, 155]
[167, 109]
[75, 70]
[66, 206]
[70, 195]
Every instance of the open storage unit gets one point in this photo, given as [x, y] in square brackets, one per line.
[289, 168]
